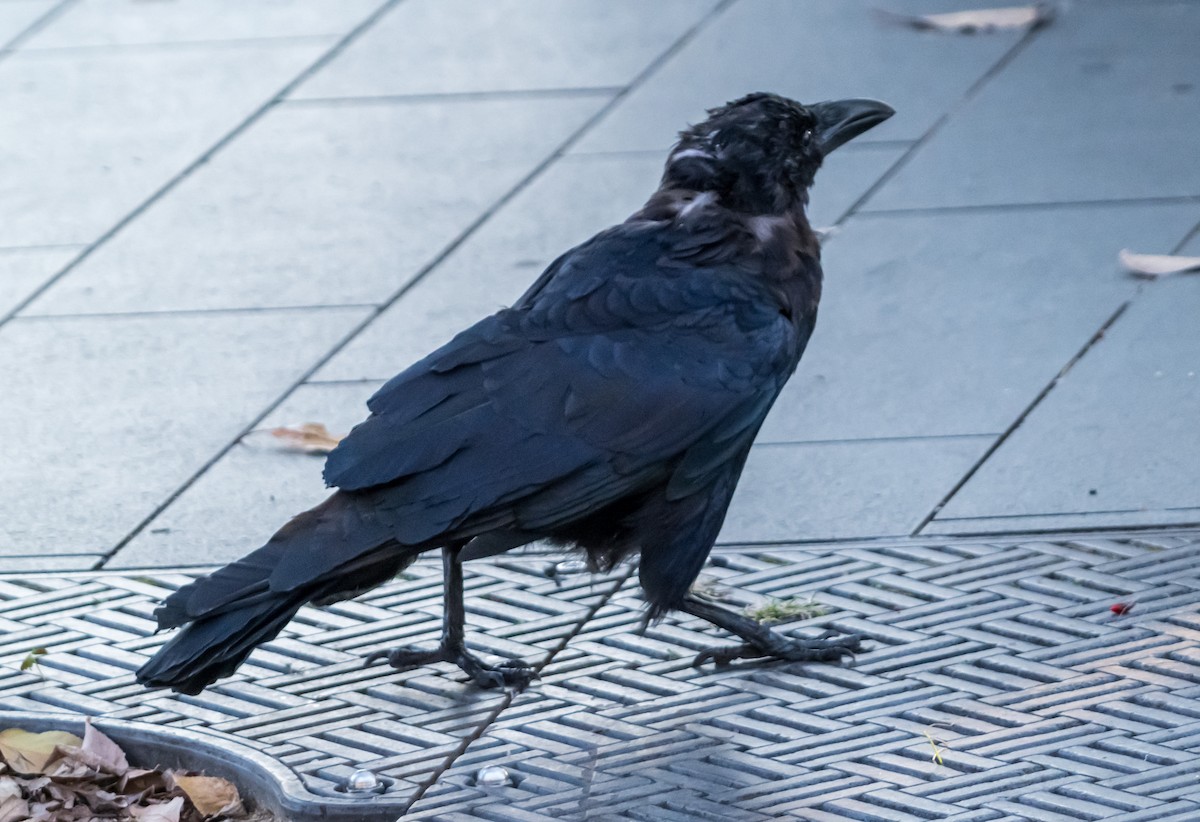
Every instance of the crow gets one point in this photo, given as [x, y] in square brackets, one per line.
[610, 409]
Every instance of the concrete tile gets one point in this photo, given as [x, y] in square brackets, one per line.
[847, 175]
[100, 23]
[70, 562]
[575, 198]
[1164, 517]
[251, 491]
[18, 15]
[447, 46]
[113, 414]
[809, 50]
[22, 270]
[1118, 433]
[951, 323]
[88, 136]
[322, 204]
[849, 489]
[1118, 121]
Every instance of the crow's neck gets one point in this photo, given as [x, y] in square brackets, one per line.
[784, 237]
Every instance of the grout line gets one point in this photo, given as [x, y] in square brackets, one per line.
[188, 312]
[437, 260]
[1031, 206]
[455, 96]
[1095, 338]
[33, 28]
[1187, 238]
[916, 146]
[1074, 533]
[173, 45]
[511, 696]
[867, 440]
[204, 158]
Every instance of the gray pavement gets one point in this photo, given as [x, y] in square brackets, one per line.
[217, 216]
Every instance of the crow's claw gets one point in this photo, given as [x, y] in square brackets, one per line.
[792, 650]
[512, 673]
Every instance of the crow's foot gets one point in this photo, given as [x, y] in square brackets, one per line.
[778, 646]
[512, 673]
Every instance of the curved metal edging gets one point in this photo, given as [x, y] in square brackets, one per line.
[270, 784]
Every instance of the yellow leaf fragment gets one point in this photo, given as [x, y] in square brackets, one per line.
[29, 753]
[211, 795]
[975, 21]
[31, 658]
[1153, 266]
[308, 437]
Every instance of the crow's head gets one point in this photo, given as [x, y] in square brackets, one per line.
[759, 154]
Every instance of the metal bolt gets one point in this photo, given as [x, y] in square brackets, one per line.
[493, 776]
[362, 782]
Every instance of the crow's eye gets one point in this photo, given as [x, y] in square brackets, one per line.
[807, 137]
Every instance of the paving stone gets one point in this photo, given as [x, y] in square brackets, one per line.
[321, 204]
[1112, 436]
[845, 489]
[251, 491]
[949, 324]
[113, 414]
[572, 200]
[505, 45]
[23, 270]
[1118, 121]
[810, 51]
[89, 136]
[17, 15]
[100, 23]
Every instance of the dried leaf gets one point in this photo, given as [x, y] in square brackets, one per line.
[308, 437]
[12, 807]
[104, 750]
[1153, 266]
[975, 21]
[210, 794]
[29, 753]
[161, 812]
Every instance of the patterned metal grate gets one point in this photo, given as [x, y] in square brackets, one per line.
[998, 685]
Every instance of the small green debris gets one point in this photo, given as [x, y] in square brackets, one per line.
[31, 658]
[937, 751]
[784, 610]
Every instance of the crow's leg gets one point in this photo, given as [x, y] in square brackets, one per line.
[452, 648]
[760, 641]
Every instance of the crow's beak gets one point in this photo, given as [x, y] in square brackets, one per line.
[840, 121]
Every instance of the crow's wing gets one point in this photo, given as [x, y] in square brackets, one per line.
[625, 367]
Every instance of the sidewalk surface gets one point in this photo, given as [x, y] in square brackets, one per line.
[220, 216]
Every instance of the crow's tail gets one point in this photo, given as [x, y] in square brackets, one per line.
[332, 552]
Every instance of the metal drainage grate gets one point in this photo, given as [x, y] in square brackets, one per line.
[999, 685]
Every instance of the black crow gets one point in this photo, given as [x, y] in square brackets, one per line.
[610, 409]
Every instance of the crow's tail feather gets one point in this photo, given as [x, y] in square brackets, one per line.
[231, 612]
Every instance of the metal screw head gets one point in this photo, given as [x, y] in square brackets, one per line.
[493, 776]
[362, 782]
[569, 567]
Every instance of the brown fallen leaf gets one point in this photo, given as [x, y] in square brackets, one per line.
[975, 21]
[1153, 266]
[29, 753]
[308, 437]
[211, 795]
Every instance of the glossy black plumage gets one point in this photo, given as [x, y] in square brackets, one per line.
[611, 408]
